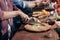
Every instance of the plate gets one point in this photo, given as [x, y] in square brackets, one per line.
[37, 27]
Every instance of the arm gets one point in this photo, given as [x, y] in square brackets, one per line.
[29, 4]
[24, 4]
[9, 14]
[1, 14]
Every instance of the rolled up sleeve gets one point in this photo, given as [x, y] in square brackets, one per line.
[20, 3]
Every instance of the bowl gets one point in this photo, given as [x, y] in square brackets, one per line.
[37, 27]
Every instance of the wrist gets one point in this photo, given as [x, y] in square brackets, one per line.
[21, 14]
[17, 12]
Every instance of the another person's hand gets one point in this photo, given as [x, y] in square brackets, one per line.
[38, 2]
[33, 20]
[36, 20]
[58, 10]
[31, 4]
[45, 2]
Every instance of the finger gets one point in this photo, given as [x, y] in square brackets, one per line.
[27, 19]
[36, 19]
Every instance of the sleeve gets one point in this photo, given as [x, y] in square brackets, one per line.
[20, 3]
[1, 14]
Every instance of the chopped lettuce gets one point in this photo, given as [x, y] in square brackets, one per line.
[36, 25]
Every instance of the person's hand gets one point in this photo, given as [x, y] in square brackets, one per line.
[25, 18]
[33, 20]
[36, 20]
[31, 4]
[45, 2]
[38, 2]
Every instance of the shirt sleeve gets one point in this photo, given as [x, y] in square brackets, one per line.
[1, 14]
[20, 3]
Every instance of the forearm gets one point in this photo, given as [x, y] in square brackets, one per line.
[9, 14]
[24, 4]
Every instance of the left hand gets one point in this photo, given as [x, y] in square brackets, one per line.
[31, 4]
[38, 2]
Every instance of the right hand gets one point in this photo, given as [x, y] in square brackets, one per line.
[25, 18]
